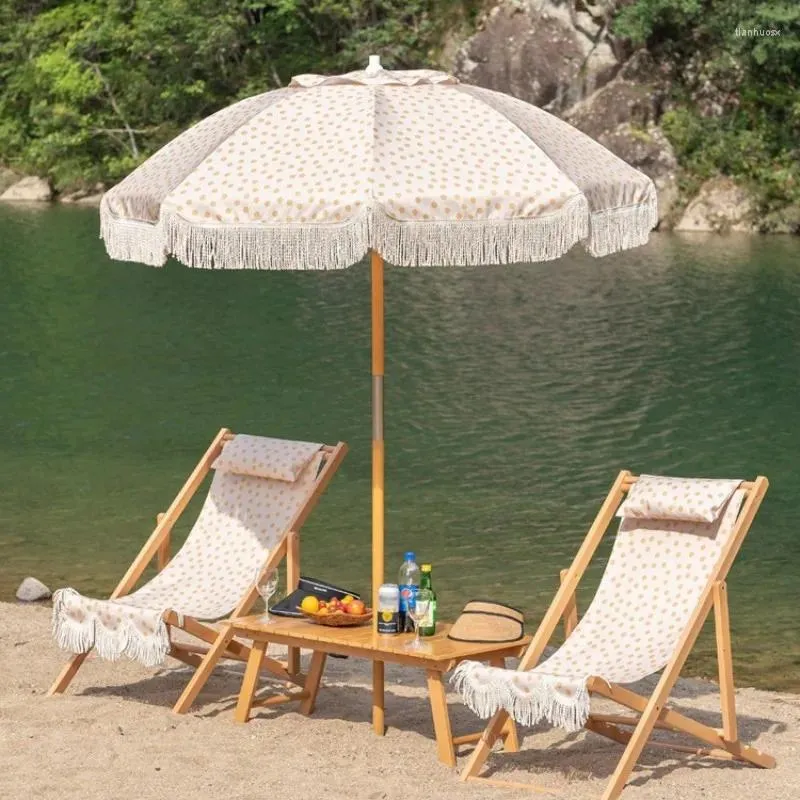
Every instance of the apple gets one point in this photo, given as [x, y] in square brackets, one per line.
[357, 607]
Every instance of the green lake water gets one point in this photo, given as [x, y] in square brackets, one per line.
[513, 397]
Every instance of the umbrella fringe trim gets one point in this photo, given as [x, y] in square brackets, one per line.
[622, 228]
[306, 247]
[480, 242]
[425, 243]
[132, 240]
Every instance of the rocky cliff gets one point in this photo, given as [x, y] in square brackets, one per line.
[563, 56]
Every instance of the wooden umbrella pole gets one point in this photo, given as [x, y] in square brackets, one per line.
[378, 724]
[377, 426]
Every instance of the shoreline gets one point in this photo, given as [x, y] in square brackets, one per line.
[114, 732]
[707, 212]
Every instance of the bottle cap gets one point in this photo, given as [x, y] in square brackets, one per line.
[410, 556]
[426, 567]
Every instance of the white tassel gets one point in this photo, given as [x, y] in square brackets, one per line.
[148, 650]
[483, 695]
[481, 242]
[485, 690]
[131, 239]
[623, 228]
[80, 636]
[318, 247]
[404, 243]
[291, 247]
[70, 634]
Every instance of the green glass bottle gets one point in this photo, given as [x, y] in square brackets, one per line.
[427, 626]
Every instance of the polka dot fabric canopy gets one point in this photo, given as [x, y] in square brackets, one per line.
[412, 164]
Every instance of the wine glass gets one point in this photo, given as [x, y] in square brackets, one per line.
[266, 585]
[417, 609]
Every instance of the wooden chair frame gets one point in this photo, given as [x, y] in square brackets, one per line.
[653, 711]
[215, 643]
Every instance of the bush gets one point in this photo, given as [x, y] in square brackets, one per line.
[751, 132]
[89, 88]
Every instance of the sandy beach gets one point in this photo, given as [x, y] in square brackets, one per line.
[113, 735]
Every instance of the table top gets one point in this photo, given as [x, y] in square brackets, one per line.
[364, 641]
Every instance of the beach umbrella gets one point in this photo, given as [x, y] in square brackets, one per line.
[412, 167]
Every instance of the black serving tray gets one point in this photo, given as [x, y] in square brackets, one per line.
[290, 605]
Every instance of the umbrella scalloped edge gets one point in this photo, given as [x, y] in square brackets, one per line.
[431, 243]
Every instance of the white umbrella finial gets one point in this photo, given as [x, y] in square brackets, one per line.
[374, 65]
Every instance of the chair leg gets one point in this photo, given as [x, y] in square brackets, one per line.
[675, 721]
[201, 675]
[727, 688]
[510, 734]
[67, 674]
[633, 749]
[481, 752]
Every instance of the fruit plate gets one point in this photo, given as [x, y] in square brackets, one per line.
[339, 619]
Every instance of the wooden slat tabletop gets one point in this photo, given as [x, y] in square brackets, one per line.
[370, 644]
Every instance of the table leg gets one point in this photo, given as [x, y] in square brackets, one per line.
[510, 736]
[378, 723]
[293, 661]
[441, 718]
[312, 681]
[250, 682]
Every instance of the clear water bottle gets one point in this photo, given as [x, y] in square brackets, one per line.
[408, 581]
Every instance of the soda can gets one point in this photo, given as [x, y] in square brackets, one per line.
[389, 608]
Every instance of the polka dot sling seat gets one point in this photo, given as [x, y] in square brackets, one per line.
[669, 541]
[258, 487]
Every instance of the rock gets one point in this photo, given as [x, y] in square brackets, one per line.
[546, 52]
[668, 195]
[93, 200]
[31, 590]
[29, 190]
[720, 205]
[7, 178]
[636, 95]
[84, 196]
[786, 220]
[623, 116]
[647, 149]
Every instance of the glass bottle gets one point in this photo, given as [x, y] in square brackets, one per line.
[428, 624]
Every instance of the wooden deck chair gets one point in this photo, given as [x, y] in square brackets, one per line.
[666, 573]
[247, 520]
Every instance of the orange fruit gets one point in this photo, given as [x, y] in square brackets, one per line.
[310, 604]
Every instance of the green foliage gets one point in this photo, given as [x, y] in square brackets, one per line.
[89, 88]
[735, 95]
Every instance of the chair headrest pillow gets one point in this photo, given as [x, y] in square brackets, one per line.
[264, 457]
[690, 499]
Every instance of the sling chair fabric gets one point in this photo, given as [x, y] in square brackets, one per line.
[258, 487]
[663, 555]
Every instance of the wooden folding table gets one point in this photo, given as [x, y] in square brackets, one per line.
[439, 656]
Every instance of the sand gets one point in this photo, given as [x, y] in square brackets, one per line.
[113, 736]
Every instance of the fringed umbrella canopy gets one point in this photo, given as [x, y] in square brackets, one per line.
[410, 165]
